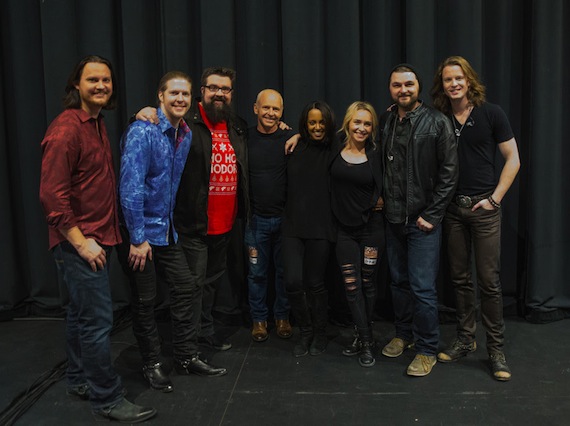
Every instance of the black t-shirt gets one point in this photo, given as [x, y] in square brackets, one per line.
[267, 171]
[486, 127]
[352, 186]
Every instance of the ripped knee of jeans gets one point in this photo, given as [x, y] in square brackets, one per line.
[252, 252]
[349, 276]
[370, 256]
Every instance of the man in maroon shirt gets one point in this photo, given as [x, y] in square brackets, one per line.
[77, 192]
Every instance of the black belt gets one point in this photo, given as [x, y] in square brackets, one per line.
[468, 201]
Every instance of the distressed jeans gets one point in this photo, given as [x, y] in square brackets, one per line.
[263, 243]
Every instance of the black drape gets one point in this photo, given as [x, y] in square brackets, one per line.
[337, 50]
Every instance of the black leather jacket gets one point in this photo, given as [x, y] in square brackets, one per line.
[432, 171]
[191, 211]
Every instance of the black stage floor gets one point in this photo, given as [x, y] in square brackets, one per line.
[266, 385]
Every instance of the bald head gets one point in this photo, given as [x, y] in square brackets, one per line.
[269, 108]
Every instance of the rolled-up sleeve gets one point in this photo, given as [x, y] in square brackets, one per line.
[60, 153]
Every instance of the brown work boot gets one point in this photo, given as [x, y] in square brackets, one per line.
[457, 350]
[499, 367]
[421, 365]
[396, 347]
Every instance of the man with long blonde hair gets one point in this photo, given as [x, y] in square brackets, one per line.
[473, 219]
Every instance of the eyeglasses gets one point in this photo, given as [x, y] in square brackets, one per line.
[214, 89]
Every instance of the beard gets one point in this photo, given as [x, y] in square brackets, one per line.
[217, 114]
[409, 104]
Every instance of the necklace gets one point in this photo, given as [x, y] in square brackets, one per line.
[455, 121]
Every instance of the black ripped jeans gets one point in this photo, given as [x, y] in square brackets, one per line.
[358, 252]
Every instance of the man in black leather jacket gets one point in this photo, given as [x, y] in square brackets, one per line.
[420, 176]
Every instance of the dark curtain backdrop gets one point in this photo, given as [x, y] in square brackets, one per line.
[337, 50]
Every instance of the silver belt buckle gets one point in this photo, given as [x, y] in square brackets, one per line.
[463, 201]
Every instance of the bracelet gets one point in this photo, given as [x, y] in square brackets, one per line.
[494, 203]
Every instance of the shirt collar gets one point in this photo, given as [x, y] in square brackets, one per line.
[83, 115]
[164, 123]
[415, 111]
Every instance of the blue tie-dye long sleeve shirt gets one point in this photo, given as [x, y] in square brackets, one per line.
[153, 157]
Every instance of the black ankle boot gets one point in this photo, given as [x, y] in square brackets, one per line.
[318, 345]
[366, 356]
[354, 347]
[157, 378]
[198, 366]
[302, 346]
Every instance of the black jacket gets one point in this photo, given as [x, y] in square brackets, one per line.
[432, 171]
[191, 212]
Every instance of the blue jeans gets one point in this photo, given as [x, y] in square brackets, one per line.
[413, 258]
[263, 241]
[88, 327]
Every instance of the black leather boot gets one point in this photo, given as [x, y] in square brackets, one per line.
[366, 356]
[320, 303]
[302, 346]
[198, 366]
[355, 346]
[157, 377]
[300, 310]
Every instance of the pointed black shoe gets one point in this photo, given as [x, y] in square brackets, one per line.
[157, 378]
[199, 367]
[126, 412]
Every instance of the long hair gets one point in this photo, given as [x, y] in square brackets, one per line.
[72, 99]
[328, 117]
[475, 94]
[352, 109]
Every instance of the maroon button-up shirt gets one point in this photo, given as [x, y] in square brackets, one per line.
[77, 186]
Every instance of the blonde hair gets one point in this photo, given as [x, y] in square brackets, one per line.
[352, 109]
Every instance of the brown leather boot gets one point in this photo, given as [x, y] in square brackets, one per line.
[259, 331]
[284, 329]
